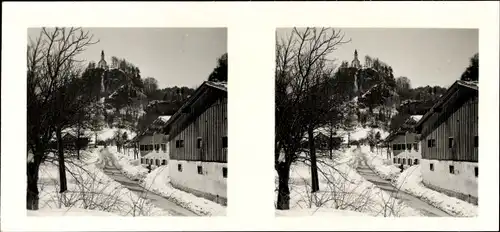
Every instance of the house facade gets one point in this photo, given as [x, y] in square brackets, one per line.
[198, 143]
[449, 133]
[152, 144]
[404, 148]
[153, 148]
[404, 145]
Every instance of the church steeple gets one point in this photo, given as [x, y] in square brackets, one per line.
[102, 63]
[355, 62]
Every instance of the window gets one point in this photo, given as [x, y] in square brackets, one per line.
[416, 162]
[476, 170]
[450, 142]
[157, 147]
[164, 147]
[476, 141]
[198, 142]
[179, 167]
[415, 146]
[164, 162]
[399, 160]
[157, 162]
[431, 143]
[224, 141]
[404, 161]
[200, 170]
[452, 169]
[141, 147]
[179, 143]
[394, 160]
[408, 146]
[150, 147]
[431, 167]
[142, 160]
[224, 172]
[409, 162]
[394, 147]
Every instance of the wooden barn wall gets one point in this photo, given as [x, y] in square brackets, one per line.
[462, 125]
[210, 126]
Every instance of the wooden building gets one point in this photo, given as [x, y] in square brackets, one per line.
[449, 133]
[198, 143]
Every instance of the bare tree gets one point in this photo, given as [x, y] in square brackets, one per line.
[150, 85]
[52, 79]
[302, 73]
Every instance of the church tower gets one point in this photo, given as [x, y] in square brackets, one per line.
[102, 63]
[355, 62]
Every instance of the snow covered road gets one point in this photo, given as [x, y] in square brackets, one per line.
[109, 167]
[414, 202]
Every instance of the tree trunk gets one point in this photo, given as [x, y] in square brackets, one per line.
[77, 144]
[330, 144]
[283, 190]
[314, 167]
[95, 141]
[32, 188]
[62, 168]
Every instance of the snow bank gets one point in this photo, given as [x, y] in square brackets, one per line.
[380, 165]
[131, 168]
[318, 212]
[341, 188]
[90, 188]
[158, 181]
[411, 181]
[68, 212]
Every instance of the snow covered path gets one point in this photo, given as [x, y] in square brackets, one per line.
[414, 202]
[109, 167]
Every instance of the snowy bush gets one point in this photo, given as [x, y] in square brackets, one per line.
[341, 188]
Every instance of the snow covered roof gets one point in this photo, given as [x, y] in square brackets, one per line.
[164, 118]
[219, 85]
[416, 117]
[469, 84]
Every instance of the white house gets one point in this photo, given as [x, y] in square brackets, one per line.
[404, 145]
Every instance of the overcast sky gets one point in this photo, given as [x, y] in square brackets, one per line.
[173, 56]
[425, 56]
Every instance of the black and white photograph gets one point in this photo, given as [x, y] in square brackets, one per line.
[127, 121]
[376, 122]
[344, 116]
